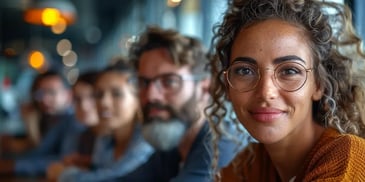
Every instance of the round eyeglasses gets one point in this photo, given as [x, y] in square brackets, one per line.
[244, 77]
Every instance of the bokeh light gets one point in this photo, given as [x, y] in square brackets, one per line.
[59, 27]
[72, 75]
[36, 60]
[70, 59]
[63, 47]
[50, 16]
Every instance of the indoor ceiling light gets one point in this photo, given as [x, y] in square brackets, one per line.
[50, 12]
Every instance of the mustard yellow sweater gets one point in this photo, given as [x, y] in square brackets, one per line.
[335, 157]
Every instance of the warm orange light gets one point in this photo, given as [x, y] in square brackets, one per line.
[36, 60]
[36, 16]
[50, 16]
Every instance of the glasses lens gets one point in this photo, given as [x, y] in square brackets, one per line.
[290, 76]
[166, 83]
[242, 76]
[170, 83]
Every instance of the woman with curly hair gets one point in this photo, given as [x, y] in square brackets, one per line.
[292, 71]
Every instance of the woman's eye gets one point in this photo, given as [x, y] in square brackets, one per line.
[289, 71]
[243, 71]
[117, 93]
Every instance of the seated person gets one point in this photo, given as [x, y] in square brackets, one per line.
[174, 90]
[86, 114]
[48, 105]
[57, 124]
[120, 148]
[290, 70]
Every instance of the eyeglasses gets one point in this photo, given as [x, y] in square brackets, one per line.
[289, 76]
[166, 83]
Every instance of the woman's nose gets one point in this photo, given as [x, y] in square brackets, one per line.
[267, 88]
[105, 99]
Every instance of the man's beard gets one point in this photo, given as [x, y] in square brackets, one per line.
[166, 134]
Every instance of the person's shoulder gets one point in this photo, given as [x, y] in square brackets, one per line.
[233, 135]
[336, 156]
[353, 139]
[333, 141]
[247, 163]
[352, 144]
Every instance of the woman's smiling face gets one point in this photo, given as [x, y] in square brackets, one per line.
[116, 101]
[267, 111]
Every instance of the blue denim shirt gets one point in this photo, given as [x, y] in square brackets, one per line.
[167, 167]
[198, 164]
[59, 141]
[106, 168]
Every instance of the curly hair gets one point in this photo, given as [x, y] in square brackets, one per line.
[184, 50]
[335, 48]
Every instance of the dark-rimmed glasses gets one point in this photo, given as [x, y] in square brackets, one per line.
[166, 83]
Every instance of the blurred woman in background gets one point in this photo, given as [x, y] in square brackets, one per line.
[120, 147]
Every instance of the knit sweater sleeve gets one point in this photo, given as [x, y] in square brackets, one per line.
[336, 157]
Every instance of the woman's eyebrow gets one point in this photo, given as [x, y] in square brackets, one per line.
[244, 59]
[276, 60]
[287, 58]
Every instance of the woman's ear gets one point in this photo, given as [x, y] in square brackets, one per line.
[318, 93]
[226, 90]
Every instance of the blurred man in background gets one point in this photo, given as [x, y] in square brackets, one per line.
[174, 90]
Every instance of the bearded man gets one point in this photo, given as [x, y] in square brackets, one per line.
[174, 85]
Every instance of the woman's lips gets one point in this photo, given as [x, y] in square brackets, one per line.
[266, 115]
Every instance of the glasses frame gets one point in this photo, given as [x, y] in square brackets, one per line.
[226, 73]
[158, 84]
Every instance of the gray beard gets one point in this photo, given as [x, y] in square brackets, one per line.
[164, 135]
